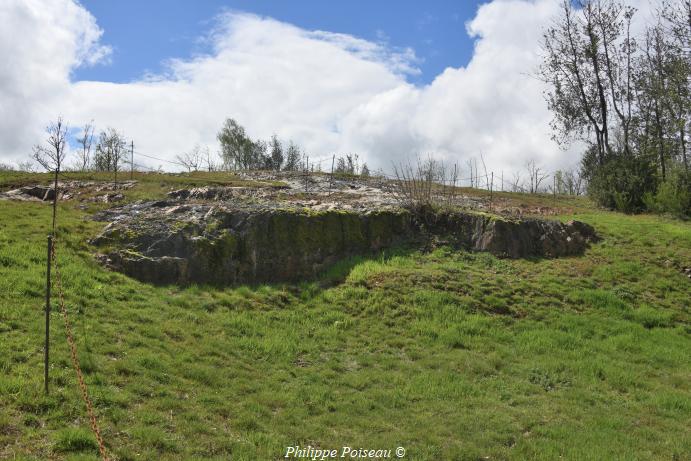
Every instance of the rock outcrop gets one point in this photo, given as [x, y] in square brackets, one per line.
[168, 242]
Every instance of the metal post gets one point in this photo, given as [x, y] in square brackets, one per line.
[47, 345]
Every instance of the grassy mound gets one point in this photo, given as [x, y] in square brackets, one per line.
[452, 355]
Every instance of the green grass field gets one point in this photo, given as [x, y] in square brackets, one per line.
[452, 355]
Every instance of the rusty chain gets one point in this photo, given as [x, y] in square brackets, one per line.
[75, 361]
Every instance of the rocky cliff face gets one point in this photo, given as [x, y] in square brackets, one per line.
[165, 242]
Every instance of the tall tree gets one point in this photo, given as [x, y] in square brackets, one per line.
[237, 150]
[588, 64]
[292, 157]
[276, 153]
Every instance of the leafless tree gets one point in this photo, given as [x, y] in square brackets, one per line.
[516, 183]
[51, 154]
[210, 165]
[191, 160]
[85, 142]
[27, 166]
[536, 175]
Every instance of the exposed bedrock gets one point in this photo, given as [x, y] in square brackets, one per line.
[162, 243]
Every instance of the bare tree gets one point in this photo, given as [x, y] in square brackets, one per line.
[208, 160]
[193, 159]
[516, 183]
[85, 142]
[27, 166]
[52, 154]
[536, 175]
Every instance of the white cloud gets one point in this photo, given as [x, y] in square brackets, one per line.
[329, 92]
[40, 43]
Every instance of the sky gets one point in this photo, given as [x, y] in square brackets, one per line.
[388, 80]
[435, 30]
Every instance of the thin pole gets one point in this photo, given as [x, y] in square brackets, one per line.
[132, 160]
[55, 195]
[331, 178]
[47, 344]
[491, 191]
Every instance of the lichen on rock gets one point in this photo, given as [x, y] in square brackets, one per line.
[169, 242]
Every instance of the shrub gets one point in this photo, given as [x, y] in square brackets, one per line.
[673, 195]
[620, 183]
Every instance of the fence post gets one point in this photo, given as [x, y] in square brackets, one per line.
[132, 161]
[491, 192]
[46, 356]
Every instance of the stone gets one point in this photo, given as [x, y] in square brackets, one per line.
[220, 244]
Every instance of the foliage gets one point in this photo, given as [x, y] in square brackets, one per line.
[292, 158]
[626, 96]
[673, 195]
[347, 164]
[621, 182]
[237, 149]
[276, 154]
[110, 151]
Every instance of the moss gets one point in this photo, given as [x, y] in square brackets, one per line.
[180, 225]
[218, 249]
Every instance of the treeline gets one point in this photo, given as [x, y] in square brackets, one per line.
[240, 152]
[628, 97]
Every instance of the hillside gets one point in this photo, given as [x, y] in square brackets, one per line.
[448, 353]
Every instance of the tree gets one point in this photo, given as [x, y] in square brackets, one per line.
[588, 64]
[85, 142]
[276, 153]
[364, 172]
[237, 150]
[191, 160]
[536, 175]
[110, 151]
[52, 154]
[292, 158]
[260, 158]
[206, 156]
[347, 164]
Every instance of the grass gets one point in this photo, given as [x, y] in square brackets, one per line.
[450, 354]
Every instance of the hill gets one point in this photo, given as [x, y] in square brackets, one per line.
[450, 354]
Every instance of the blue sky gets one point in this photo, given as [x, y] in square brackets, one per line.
[143, 34]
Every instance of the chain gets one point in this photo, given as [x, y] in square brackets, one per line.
[75, 361]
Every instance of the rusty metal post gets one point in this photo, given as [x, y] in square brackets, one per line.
[46, 357]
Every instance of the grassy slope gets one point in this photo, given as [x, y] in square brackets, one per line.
[452, 355]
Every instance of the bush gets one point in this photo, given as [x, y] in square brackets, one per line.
[673, 195]
[620, 183]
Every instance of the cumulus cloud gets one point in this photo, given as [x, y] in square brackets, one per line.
[40, 43]
[329, 92]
